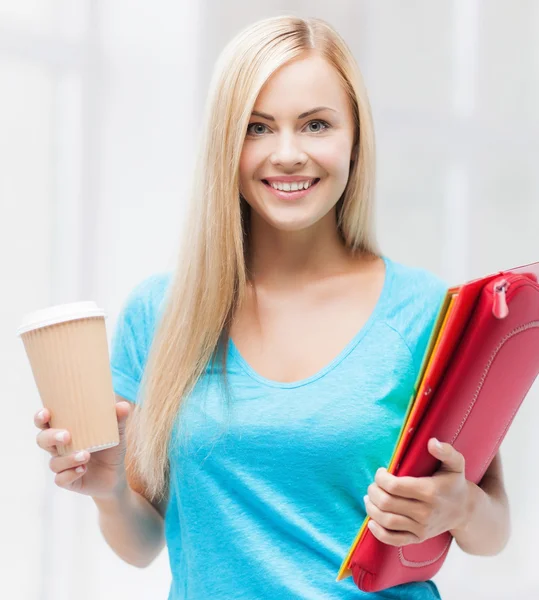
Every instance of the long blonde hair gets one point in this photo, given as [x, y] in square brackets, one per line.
[210, 280]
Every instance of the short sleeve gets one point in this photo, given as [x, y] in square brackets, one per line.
[418, 330]
[132, 336]
[417, 301]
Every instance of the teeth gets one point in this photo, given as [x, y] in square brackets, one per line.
[292, 187]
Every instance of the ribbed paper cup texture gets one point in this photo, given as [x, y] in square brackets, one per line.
[70, 364]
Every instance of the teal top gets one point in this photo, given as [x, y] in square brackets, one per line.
[266, 491]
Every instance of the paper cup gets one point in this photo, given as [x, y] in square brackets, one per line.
[69, 356]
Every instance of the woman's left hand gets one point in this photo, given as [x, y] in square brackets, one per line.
[410, 510]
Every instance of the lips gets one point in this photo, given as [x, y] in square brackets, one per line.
[290, 196]
[314, 182]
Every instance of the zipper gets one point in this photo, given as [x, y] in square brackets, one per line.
[499, 299]
[499, 291]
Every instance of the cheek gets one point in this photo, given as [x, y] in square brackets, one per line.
[248, 166]
[250, 159]
[333, 157]
[243, 168]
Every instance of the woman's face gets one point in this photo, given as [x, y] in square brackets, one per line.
[283, 143]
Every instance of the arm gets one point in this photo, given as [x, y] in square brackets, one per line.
[132, 526]
[487, 528]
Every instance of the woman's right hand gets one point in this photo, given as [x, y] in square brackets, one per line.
[97, 474]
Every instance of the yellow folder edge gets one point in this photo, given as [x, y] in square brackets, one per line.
[434, 341]
[432, 348]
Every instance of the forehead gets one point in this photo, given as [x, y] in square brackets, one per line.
[302, 84]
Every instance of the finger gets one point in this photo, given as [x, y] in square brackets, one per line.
[41, 419]
[51, 439]
[391, 538]
[58, 464]
[393, 522]
[416, 488]
[66, 478]
[394, 504]
[452, 460]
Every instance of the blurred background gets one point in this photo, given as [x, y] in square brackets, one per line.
[100, 105]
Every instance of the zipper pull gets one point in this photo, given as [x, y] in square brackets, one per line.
[499, 305]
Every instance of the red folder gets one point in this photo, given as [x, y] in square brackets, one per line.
[481, 360]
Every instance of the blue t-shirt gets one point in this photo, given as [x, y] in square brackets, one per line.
[266, 491]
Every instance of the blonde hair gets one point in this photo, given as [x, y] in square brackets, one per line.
[210, 280]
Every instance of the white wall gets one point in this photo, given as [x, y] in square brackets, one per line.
[99, 109]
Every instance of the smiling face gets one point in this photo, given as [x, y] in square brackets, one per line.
[286, 140]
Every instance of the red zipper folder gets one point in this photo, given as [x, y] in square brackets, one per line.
[481, 360]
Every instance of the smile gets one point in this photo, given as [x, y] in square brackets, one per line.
[292, 194]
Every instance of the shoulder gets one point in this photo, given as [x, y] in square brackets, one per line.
[151, 288]
[134, 331]
[416, 297]
[145, 299]
[415, 288]
[142, 307]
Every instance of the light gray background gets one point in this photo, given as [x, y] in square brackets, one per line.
[100, 106]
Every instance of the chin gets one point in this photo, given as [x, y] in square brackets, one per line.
[291, 224]
[291, 217]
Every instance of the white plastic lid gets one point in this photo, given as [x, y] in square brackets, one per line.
[59, 314]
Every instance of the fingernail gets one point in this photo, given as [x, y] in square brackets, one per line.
[437, 444]
[80, 456]
[79, 469]
[365, 498]
[60, 437]
[41, 414]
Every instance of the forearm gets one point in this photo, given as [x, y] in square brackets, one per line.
[132, 527]
[487, 527]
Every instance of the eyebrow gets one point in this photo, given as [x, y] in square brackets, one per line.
[302, 116]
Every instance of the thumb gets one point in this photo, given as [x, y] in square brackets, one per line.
[123, 410]
[452, 460]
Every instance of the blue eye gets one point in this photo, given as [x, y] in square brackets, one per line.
[323, 123]
[253, 125]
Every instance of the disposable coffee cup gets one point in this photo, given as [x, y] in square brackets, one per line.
[68, 352]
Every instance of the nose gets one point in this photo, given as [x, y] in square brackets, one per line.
[288, 152]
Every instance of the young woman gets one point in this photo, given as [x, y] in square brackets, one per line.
[269, 374]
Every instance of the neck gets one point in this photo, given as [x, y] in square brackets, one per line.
[290, 258]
